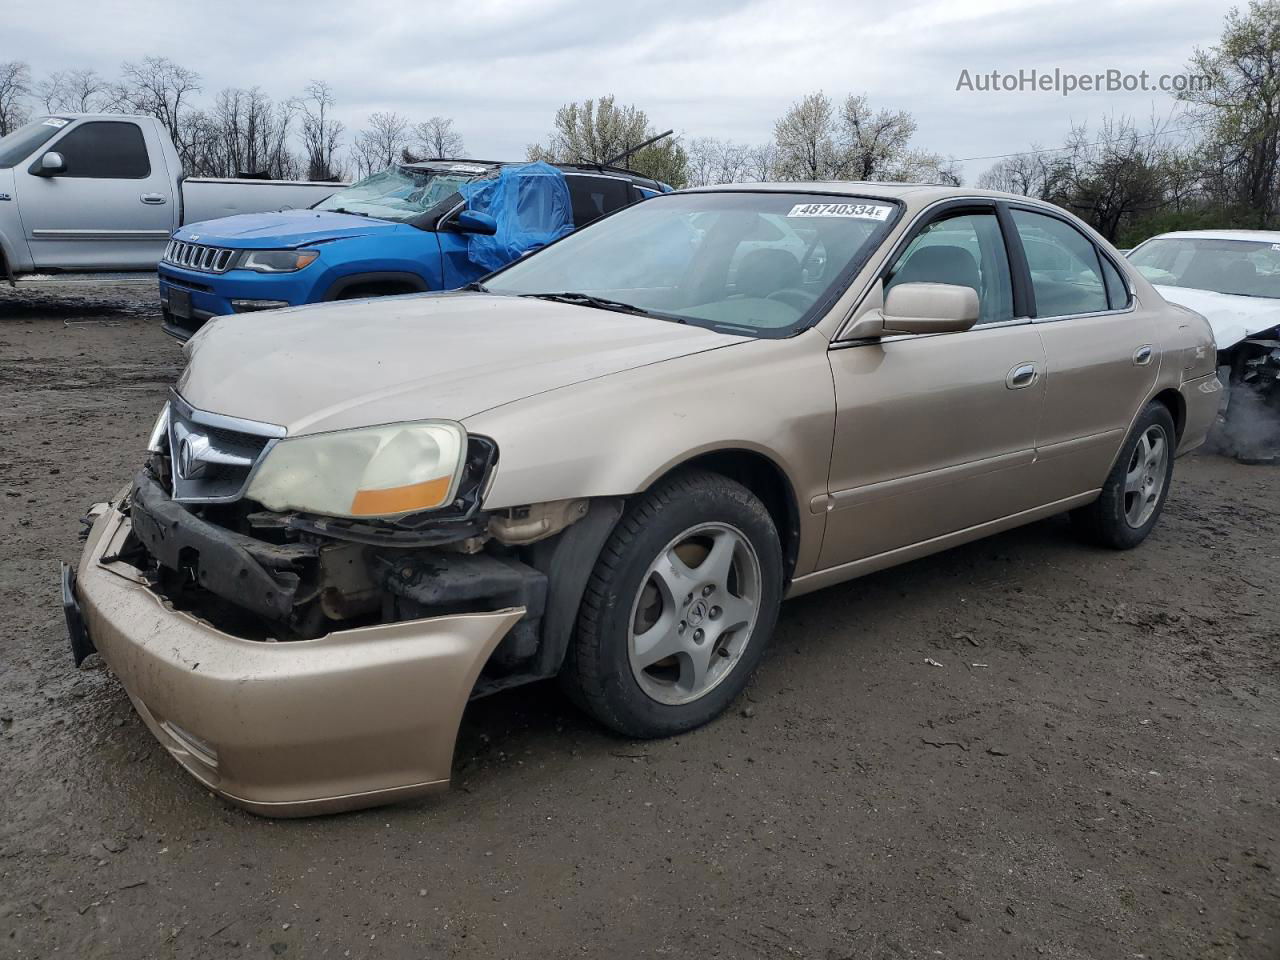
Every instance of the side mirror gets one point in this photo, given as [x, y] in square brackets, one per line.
[930, 308]
[473, 221]
[50, 165]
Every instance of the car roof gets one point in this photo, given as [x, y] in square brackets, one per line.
[566, 167]
[919, 194]
[1254, 236]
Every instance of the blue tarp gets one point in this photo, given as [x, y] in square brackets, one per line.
[531, 206]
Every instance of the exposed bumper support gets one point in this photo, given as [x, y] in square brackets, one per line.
[352, 719]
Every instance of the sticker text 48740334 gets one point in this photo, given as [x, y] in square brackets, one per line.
[860, 211]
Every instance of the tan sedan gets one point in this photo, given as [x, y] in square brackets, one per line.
[611, 463]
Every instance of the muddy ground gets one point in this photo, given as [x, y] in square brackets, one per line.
[1091, 770]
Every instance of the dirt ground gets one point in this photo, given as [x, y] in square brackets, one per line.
[1089, 769]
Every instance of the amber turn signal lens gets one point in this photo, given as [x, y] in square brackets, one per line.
[415, 496]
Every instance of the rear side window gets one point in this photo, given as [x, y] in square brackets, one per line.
[1065, 271]
[593, 197]
[105, 150]
[1117, 289]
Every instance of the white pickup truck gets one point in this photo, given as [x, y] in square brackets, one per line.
[103, 192]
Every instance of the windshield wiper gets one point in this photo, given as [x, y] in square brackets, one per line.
[603, 303]
[477, 286]
[354, 213]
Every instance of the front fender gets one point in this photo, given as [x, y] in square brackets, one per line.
[615, 435]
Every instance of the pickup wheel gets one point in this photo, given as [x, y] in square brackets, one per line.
[679, 608]
[1136, 489]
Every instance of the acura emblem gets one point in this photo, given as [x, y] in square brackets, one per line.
[190, 450]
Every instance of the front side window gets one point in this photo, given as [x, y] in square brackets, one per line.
[1242, 268]
[400, 193]
[759, 263]
[105, 150]
[1066, 275]
[966, 250]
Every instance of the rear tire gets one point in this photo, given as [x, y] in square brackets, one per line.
[679, 608]
[1135, 491]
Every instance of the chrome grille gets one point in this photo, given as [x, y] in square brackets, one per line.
[212, 457]
[197, 256]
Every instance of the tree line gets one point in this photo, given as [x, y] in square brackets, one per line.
[1212, 161]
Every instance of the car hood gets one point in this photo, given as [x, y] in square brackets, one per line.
[1232, 317]
[284, 229]
[434, 356]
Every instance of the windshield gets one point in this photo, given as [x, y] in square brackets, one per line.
[756, 263]
[1243, 268]
[402, 193]
[21, 143]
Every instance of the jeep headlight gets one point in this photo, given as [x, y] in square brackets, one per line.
[276, 261]
[382, 471]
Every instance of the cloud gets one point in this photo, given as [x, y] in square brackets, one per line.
[724, 68]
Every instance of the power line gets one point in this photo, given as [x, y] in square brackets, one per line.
[1096, 143]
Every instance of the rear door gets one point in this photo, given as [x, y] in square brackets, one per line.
[936, 433]
[110, 209]
[1101, 350]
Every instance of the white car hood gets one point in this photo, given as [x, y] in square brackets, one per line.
[1233, 318]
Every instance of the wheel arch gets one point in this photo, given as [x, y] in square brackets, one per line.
[1176, 404]
[763, 476]
[390, 282]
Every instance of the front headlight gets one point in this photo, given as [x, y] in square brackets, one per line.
[371, 472]
[159, 432]
[276, 261]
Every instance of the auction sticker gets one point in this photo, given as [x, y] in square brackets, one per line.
[860, 211]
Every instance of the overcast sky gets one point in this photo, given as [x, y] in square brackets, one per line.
[725, 68]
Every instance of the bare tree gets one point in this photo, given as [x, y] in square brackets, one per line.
[712, 160]
[321, 133]
[762, 162]
[74, 91]
[1037, 173]
[380, 144]
[436, 139]
[251, 135]
[15, 85]
[161, 88]
[1115, 174]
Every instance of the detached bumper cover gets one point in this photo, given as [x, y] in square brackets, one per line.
[352, 719]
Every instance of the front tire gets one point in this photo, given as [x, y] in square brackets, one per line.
[1135, 491]
[679, 608]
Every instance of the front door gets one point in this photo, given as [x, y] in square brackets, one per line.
[936, 433]
[110, 209]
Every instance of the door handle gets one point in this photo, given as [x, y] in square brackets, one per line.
[1023, 375]
[152, 198]
[1142, 356]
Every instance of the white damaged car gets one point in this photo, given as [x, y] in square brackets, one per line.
[1232, 279]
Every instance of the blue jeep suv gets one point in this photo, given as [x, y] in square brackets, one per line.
[415, 227]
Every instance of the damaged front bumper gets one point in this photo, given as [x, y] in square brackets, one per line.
[351, 719]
